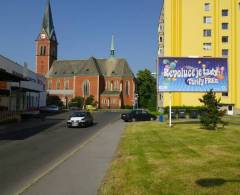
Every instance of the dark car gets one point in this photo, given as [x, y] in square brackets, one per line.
[80, 119]
[138, 115]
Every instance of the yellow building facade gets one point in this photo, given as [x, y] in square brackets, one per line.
[204, 28]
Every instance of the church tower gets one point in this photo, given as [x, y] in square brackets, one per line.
[46, 43]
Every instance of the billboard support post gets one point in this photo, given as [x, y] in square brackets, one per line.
[170, 110]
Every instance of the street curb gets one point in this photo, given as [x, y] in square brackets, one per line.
[61, 161]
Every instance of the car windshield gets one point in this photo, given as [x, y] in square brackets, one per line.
[78, 114]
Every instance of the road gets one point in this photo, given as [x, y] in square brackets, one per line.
[26, 154]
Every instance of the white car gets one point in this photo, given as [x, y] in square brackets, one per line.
[80, 119]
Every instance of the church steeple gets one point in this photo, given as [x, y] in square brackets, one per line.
[112, 50]
[46, 43]
[47, 23]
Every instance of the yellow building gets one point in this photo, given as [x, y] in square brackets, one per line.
[204, 28]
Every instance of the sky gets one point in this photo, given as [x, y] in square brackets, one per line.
[84, 29]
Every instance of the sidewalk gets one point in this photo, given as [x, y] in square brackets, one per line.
[82, 173]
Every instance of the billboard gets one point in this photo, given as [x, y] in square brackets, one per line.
[192, 74]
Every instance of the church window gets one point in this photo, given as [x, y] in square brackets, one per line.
[86, 88]
[121, 86]
[116, 85]
[49, 84]
[43, 50]
[66, 84]
[111, 86]
[127, 88]
[58, 84]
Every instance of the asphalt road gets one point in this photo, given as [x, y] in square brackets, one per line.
[29, 152]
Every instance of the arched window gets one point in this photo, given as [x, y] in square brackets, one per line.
[115, 85]
[49, 84]
[127, 88]
[58, 84]
[111, 88]
[109, 85]
[86, 88]
[66, 84]
[121, 86]
[106, 85]
[43, 50]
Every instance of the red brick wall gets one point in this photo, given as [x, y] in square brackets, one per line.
[128, 100]
[43, 63]
[97, 86]
[94, 86]
[112, 104]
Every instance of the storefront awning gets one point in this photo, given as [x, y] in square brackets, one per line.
[6, 76]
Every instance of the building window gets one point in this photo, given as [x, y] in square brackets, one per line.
[115, 87]
[58, 84]
[207, 46]
[66, 84]
[224, 52]
[207, 33]
[127, 88]
[225, 94]
[224, 39]
[224, 12]
[121, 86]
[86, 88]
[49, 84]
[224, 26]
[160, 39]
[207, 7]
[43, 50]
[207, 19]
[111, 86]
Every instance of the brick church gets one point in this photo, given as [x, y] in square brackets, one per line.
[111, 81]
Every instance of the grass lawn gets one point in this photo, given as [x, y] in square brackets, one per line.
[153, 159]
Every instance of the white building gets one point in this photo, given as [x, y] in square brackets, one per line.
[20, 88]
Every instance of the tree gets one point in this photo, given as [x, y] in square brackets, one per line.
[54, 100]
[211, 115]
[90, 101]
[146, 89]
[77, 102]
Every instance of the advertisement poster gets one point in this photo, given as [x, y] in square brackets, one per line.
[192, 74]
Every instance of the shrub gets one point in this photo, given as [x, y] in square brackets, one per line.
[76, 102]
[54, 100]
[211, 116]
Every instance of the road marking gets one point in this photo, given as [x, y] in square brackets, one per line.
[68, 156]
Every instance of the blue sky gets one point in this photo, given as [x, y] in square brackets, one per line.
[84, 29]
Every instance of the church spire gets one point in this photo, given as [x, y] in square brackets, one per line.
[47, 24]
[112, 54]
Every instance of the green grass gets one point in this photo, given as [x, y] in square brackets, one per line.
[153, 159]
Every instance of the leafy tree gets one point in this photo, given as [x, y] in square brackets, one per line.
[90, 101]
[146, 89]
[211, 116]
[77, 102]
[54, 100]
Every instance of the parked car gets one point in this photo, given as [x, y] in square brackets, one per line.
[80, 119]
[90, 108]
[138, 115]
[50, 109]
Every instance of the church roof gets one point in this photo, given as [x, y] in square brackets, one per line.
[91, 67]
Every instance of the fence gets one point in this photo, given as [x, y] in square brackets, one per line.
[9, 116]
